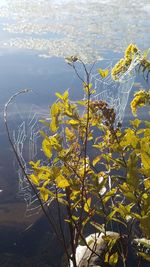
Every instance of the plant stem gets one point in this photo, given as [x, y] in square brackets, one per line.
[71, 228]
[23, 168]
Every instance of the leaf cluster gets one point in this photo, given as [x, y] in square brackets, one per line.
[99, 172]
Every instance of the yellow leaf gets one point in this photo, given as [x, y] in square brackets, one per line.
[34, 179]
[103, 73]
[147, 183]
[61, 181]
[87, 205]
[44, 193]
[129, 139]
[55, 111]
[73, 122]
[59, 95]
[47, 148]
[34, 165]
[53, 125]
[145, 160]
[65, 95]
[136, 123]
[82, 102]
[96, 160]
[113, 259]
[69, 133]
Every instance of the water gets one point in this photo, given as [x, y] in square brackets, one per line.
[35, 36]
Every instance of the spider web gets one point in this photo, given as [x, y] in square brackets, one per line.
[116, 93]
[27, 139]
[26, 136]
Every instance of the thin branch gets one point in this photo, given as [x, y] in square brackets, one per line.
[60, 224]
[5, 114]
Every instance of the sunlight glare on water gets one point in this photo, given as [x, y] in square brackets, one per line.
[68, 27]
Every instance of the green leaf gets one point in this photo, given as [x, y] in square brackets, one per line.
[103, 73]
[144, 255]
[99, 227]
[119, 221]
[130, 196]
[145, 53]
[109, 194]
[82, 102]
[145, 225]
[93, 92]
[44, 122]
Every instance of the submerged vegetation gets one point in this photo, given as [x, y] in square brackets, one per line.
[98, 172]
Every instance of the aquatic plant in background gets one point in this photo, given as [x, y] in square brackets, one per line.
[98, 172]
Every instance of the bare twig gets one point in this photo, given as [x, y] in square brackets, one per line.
[21, 165]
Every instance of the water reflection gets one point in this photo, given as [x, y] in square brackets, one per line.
[85, 28]
[88, 28]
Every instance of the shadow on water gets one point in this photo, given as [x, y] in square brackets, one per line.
[34, 246]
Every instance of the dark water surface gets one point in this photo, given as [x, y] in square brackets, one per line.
[35, 36]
